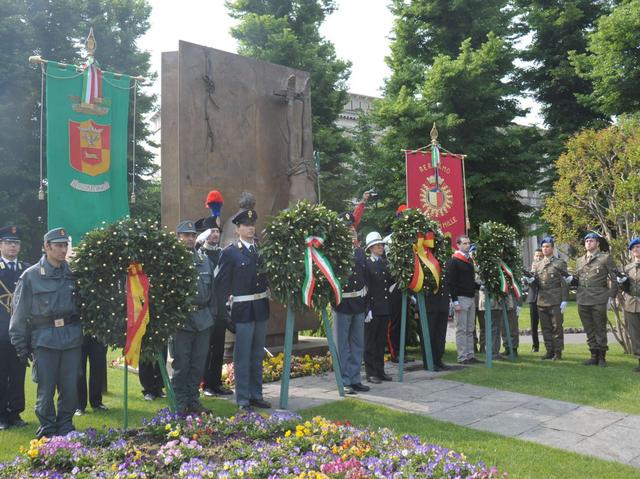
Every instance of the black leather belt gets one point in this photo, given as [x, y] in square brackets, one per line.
[52, 322]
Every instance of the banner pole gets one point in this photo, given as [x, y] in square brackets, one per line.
[488, 330]
[403, 333]
[171, 396]
[424, 325]
[125, 421]
[334, 352]
[467, 223]
[288, 346]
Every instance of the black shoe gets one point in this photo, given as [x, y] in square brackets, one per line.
[499, 357]
[349, 390]
[360, 388]
[17, 421]
[548, 355]
[395, 360]
[374, 380]
[4, 425]
[442, 366]
[160, 394]
[385, 377]
[245, 407]
[594, 360]
[602, 359]
[221, 391]
[473, 361]
[198, 408]
[557, 356]
[100, 407]
[535, 349]
[260, 403]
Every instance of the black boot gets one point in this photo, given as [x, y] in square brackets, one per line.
[557, 356]
[602, 359]
[595, 357]
[549, 355]
[637, 368]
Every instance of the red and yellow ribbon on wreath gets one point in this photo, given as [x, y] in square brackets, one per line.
[137, 312]
[311, 256]
[422, 253]
[511, 283]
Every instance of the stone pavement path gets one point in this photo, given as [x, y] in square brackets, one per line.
[583, 429]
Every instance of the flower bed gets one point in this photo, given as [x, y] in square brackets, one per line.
[244, 446]
[272, 367]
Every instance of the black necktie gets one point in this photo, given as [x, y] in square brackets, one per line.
[12, 266]
[252, 249]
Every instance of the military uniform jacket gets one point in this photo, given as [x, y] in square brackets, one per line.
[8, 280]
[44, 294]
[596, 279]
[379, 281]
[631, 288]
[237, 275]
[356, 282]
[213, 254]
[205, 300]
[552, 288]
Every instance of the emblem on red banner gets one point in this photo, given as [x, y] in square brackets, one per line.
[89, 147]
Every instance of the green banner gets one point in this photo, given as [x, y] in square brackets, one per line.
[87, 115]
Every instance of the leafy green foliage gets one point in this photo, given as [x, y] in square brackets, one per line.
[613, 61]
[284, 247]
[100, 267]
[401, 254]
[598, 186]
[287, 32]
[497, 242]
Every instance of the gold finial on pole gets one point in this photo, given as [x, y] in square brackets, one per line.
[434, 134]
[90, 44]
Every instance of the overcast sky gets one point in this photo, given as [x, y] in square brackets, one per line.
[359, 29]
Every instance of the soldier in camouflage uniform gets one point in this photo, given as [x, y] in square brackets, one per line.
[553, 293]
[45, 323]
[597, 287]
[630, 286]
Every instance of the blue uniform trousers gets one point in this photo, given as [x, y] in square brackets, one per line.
[248, 354]
[189, 352]
[348, 329]
[56, 369]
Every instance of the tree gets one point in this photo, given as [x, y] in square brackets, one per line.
[559, 27]
[56, 31]
[612, 61]
[470, 94]
[598, 188]
[287, 32]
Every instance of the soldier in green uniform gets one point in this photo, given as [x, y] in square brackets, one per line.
[595, 275]
[630, 285]
[189, 346]
[45, 322]
[553, 293]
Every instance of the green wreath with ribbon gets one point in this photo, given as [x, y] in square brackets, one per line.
[307, 255]
[100, 267]
[418, 252]
[498, 260]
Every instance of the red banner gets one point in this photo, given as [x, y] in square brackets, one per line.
[438, 192]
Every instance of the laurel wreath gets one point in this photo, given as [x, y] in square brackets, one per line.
[497, 241]
[401, 256]
[283, 252]
[100, 268]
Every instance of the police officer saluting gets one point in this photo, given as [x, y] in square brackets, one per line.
[189, 346]
[239, 283]
[595, 274]
[11, 368]
[45, 322]
[629, 283]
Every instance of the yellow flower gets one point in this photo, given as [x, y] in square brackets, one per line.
[167, 427]
[32, 453]
[299, 434]
[288, 433]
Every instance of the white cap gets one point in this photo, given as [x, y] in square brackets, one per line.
[373, 238]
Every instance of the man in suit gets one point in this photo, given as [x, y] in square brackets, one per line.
[552, 296]
[437, 305]
[630, 285]
[378, 306]
[348, 320]
[239, 283]
[597, 287]
[12, 370]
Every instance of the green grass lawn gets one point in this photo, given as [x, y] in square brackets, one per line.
[571, 318]
[615, 387]
[521, 459]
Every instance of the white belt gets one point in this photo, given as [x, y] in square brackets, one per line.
[249, 297]
[355, 294]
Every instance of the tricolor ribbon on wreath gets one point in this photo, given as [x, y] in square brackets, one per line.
[137, 312]
[511, 283]
[311, 256]
[422, 253]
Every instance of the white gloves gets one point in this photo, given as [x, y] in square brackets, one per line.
[529, 279]
[518, 308]
[568, 279]
[368, 317]
[610, 303]
[392, 287]
[563, 306]
[621, 279]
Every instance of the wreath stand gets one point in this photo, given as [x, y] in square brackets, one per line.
[488, 333]
[288, 348]
[425, 336]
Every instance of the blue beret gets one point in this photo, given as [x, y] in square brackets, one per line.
[633, 242]
[57, 235]
[547, 239]
[9, 232]
[186, 226]
[592, 235]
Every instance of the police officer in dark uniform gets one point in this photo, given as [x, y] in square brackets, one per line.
[239, 283]
[189, 345]
[437, 306]
[12, 370]
[348, 319]
[210, 241]
[45, 322]
[378, 305]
